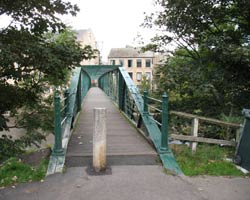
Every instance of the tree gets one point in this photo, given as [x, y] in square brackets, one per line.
[188, 90]
[145, 84]
[213, 38]
[37, 51]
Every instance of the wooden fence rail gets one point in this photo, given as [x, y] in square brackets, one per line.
[209, 120]
[193, 137]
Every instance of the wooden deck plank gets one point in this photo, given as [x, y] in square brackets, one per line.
[122, 138]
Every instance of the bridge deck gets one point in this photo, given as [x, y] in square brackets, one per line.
[124, 144]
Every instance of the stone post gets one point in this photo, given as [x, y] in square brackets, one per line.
[99, 140]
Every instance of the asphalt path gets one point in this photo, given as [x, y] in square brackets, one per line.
[129, 183]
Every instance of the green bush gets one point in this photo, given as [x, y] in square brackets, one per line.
[9, 147]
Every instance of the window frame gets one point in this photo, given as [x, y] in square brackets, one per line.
[148, 61]
[130, 63]
[138, 63]
[139, 79]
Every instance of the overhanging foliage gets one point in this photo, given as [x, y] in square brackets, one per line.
[211, 60]
[38, 51]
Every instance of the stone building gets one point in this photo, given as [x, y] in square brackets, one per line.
[86, 37]
[136, 63]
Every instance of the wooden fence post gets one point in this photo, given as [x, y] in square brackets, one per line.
[194, 132]
[237, 136]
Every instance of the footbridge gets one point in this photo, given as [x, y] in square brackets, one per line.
[134, 136]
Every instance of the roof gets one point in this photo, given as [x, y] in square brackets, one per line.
[129, 53]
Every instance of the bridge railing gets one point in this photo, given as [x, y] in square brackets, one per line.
[113, 84]
[152, 106]
[120, 87]
[66, 109]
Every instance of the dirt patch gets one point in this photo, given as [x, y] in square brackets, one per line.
[35, 158]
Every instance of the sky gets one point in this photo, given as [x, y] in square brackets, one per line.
[115, 23]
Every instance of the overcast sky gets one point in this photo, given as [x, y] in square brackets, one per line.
[115, 23]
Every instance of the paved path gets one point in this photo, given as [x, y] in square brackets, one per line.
[130, 183]
[125, 146]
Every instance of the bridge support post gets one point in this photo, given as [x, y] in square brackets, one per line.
[99, 140]
[164, 127]
[57, 150]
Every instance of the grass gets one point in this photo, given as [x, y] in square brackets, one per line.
[207, 160]
[14, 171]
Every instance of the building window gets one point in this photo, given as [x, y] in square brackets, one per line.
[131, 75]
[130, 63]
[121, 62]
[138, 63]
[148, 62]
[138, 76]
[148, 75]
[112, 62]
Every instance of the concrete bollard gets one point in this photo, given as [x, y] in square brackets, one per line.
[99, 140]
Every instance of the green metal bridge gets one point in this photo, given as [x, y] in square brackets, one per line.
[133, 135]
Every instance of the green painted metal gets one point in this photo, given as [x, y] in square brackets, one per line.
[164, 121]
[96, 71]
[117, 84]
[74, 96]
[145, 99]
[79, 86]
[243, 148]
[64, 119]
[121, 92]
[57, 150]
[127, 92]
[66, 103]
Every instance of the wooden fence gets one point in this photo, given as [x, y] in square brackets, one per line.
[193, 137]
